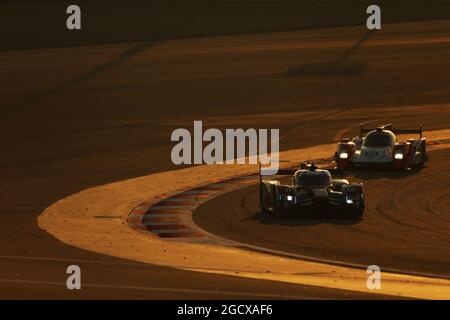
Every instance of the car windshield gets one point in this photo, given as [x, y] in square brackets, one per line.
[378, 140]
[313, 179]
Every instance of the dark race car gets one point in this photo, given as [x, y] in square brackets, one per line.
[312, 191]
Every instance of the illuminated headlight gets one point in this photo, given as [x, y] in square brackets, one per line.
[398, 156]
[343, 155]
[289, 198]
[348, 200]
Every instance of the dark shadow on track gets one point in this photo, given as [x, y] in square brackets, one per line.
[58, 89]
[371, 174]
[339, 67]
[309, 219]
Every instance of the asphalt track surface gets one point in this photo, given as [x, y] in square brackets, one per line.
[405, 226]
[73, 118]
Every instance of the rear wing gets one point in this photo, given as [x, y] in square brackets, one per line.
[280, 172]
[364, 131]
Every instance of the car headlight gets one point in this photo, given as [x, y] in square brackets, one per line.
[343, 155]
[348, 200]
[289, 198]
[398, 156]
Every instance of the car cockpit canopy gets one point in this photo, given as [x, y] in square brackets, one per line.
[312, 178]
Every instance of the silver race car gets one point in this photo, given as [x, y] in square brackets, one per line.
[379, 147]
[312, 191]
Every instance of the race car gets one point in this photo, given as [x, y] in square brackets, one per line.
[312, 191]
[379, 147]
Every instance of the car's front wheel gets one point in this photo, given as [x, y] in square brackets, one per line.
[356, 212]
